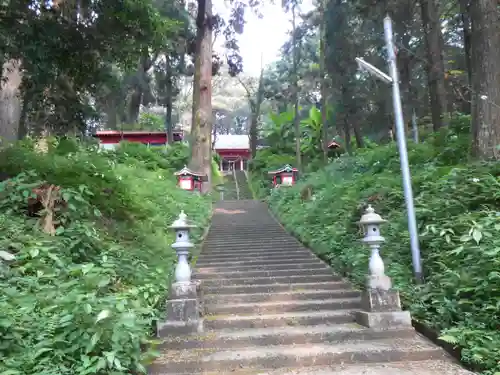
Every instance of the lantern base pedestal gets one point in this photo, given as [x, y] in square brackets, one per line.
[382, 309]
[184, 310]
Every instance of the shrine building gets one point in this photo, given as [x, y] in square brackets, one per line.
[233, 150]
[109, 139]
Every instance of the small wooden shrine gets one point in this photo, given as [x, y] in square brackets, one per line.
[189, 180]
[286, 175]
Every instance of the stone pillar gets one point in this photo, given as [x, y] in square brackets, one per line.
[241, 164]
[221, 165]
[185, 301]
[381, 305]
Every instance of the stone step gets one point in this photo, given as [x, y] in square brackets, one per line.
[280, 296]
[221, 230]
[233, 238]
[250, 238]
[209, 249]
[313, 264]
[270, 280]
[274, 307]
[252, 253]
[244, 257]
[255, 252]
[238, 274]
[427, 367]
[231, 231]
[255, 262]
[300, 335]
[274, 288]
[349, 352]
[252, 245]
[227, 321]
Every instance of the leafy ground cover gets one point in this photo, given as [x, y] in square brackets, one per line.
[92, 269]
[457, 207]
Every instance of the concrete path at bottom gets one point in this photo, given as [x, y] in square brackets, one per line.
[273, 308]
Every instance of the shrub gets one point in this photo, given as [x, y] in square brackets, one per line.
[85, 300]
[172, 158]
[457, 210]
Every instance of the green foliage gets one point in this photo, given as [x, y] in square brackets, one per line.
[147, 121]
[172, 158]
[74, 60]
[150, 121]
[456, 204]
[85, 300]
[280, 136]
[280, 132]
[312, 128]
[216, 174]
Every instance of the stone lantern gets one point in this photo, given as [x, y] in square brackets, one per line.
[185, 301]
[381, 305]
[182, 246]
[371, 222]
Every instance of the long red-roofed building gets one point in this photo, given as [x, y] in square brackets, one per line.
[234, 150]
[109, 139]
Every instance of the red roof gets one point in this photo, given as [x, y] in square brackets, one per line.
[333, 144]
[130, 132]
[188, 172]
[285, 168]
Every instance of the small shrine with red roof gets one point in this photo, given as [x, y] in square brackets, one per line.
[284, 176]
[189, 180]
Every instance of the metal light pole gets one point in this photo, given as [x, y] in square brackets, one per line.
[401, 139]
[403, 154]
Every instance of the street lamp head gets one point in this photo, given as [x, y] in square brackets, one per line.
[363, 65]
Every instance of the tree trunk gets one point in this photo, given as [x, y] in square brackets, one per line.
[136, 98]
[201, 130]
[111, 113]
[347, 134]
[168, 122]
[323, 82]
[466, 24]
[10, 102]
[296, 119]
[134, 105]
[360, 143]
[254, 125]
[23, 129]
[169, 128]
[253, 135]
[485, 79]
[435, 69]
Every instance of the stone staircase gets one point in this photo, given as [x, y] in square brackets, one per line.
[244, 189]
[230, 191]
[273, 308]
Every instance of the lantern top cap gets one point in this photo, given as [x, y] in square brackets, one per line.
[188, 172]
[181, 222]
[371, 217]
[285, 168]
